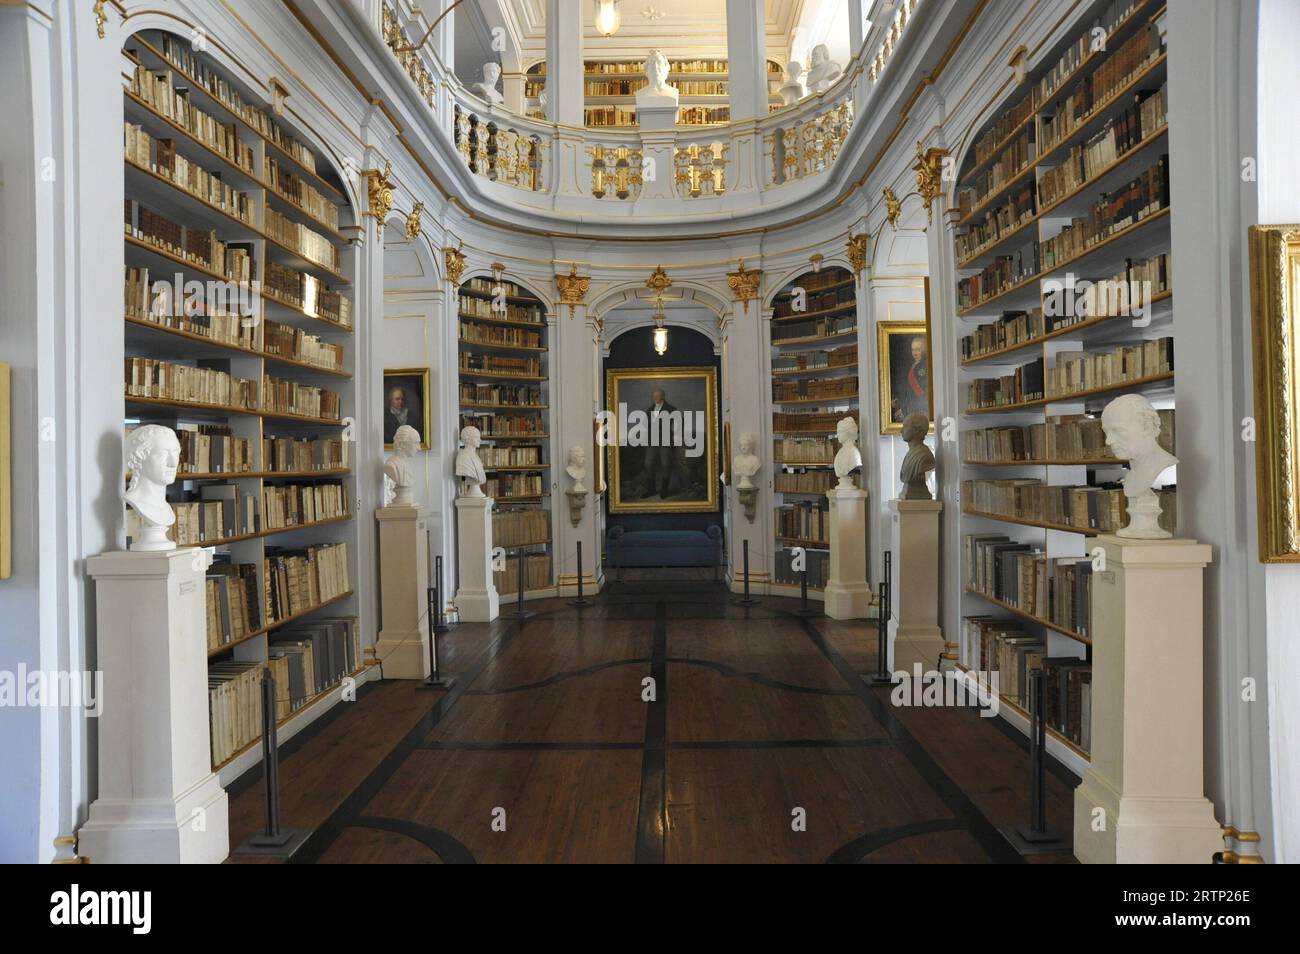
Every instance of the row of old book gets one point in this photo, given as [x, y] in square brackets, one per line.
[514, 485]
[308, 294]
[537, 573]
[804, 482]
[816, 562]
[192, 316]
[505, 425]
[1062, 437]
[803, 450]
[305, 660]
[1088, 509]
[514, 455]
[1141, 197]
[302, 578]
[160, 157]
[297, 191]
[1022, 575]
[997, 223]
[233, 609]
[812, 301]
[232, 260]
[804, 522]
[215, 449]
[291, 454]
[811, 422]
[1004, 655]
[298, 237]
[156, 89]
[1083, 47]
[821, 328]
[180, 53]
[1006, 123]
[1095, 89]
[286, 341]
[1013, 160]
[842, 357]
[1117, 137]
[520, 528]
[514, 395]
[210, 514]
[1004, 272]
[289, 397]
[499, 364]
[475, 333]
[1077, 371]
[191, 384]
[812, 388]
[293, 505]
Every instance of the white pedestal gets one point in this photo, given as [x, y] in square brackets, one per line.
[476, 599]
[847, 595]
[159, 800]
[656, 112]
[917, 636]
[1147, 772]
[403, 645]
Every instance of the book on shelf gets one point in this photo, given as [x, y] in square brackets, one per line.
[998, 222]
[200, 247]
[818, 563]
[514, 455]
[491, 424]
[300, 579]
[1023, 576]
[500, 364]
[232, 603]
[289, 397]
[234, 707]
[294, 344]
[307, 293]
[216, 320]
[804, 482]
[292, 505]
[1023, 384]
[820, 328]
[503, 394]
[1004, 272]
[837, 295]
[807, 521]
[474, 333]
[160, 157]
[1014, 159]
[845, 356]
[297, 191]
[306, 241]
[1076, 371]
[299, 455]
[803, 450]
[518, 528]
[206, 382]
[814, 388]
[1141, 197]
[157, 89]
[514, 485]
[537, 573]
[1089, 508]
[1011, 118]
[208, 449]
[1063, 437]
[810, 422]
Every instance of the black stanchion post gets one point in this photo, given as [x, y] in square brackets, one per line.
[746, 600]
[804, 609]
[435, 680]
[520, 612]
[439, 620]
[580, 601]
[882, 675]
[274, 841]
[1036, 837]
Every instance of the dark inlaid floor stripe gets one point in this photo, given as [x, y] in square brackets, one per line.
[558, 677]
[652, 821]
[447, 848]
[859, 848]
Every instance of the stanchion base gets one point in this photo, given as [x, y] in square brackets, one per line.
[876, 679]
[1029, 842]
[746, 602]
[283, 845]
[436, 681]
[520, 614]
[442, 629]
[808, 611]
[581, 602]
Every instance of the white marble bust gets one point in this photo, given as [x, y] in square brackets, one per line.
[919, 460]
[152, 456]
[848, 458]
[792, 91]
[399, 468]
[1132, 425]
[824, 71]
[656, 92]
[576, 468]
[745, 464]
[468, 466]
[488, 88]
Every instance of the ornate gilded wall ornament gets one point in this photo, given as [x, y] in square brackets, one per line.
[744, 284]
[379, 192]
[929, 176]
[659, 282]
[453, 262]
[857, 246]
[413, 222]
[893, 207]
[573, 288]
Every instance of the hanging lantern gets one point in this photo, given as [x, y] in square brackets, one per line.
[607, 17]
[660, 333]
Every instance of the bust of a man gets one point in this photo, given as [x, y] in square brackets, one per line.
[152, 456]
[399, 468]
[745, 464]
[656, 92]
[1132, 425]
[576, 468]
[824, 71]
[792, 91]
[468, 466]
[488, 88]
[848, 458]
[919, 460]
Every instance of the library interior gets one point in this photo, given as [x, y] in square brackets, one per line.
[491, 476]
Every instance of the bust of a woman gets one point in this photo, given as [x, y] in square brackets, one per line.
[468, 466]
[745, 464]
[152, 456]
[399, 469]
[1132, 426]
[919, 460]
[848, 458]
[576, 468]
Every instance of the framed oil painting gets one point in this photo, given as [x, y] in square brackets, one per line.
[407, 401]
[903, 354]
[661, 433]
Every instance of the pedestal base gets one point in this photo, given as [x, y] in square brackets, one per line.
[1142, 829]
[477, 600]
[847, 594]
[191, 829]
[917, 634]
[403, 644]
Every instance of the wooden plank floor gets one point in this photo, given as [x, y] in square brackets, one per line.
[761, 744]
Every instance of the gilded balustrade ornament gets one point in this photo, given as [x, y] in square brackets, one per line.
[701, 169]
[573, 288]
[929, 176]
[413, 222]
[811, 146]
[453, 262]
[744, 284]
[616, 171]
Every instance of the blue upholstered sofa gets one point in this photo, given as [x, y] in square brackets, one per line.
[655, 548]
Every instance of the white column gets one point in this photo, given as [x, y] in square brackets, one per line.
[512, 88]
[573, 407]
[746, 59]
[856, 23]
[159, 800]
[747, 406]
[564, 89]
[476, 599]
[848, 596]
[1143, 798]
[443, 40]
[403, 645]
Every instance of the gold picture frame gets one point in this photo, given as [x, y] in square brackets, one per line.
[725, 464]
[1275, 329]
[890, 336]
[622, 384]
[407, 378]
[6, 489]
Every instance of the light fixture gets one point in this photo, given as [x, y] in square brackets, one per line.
[660, 333]
[607, 17]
